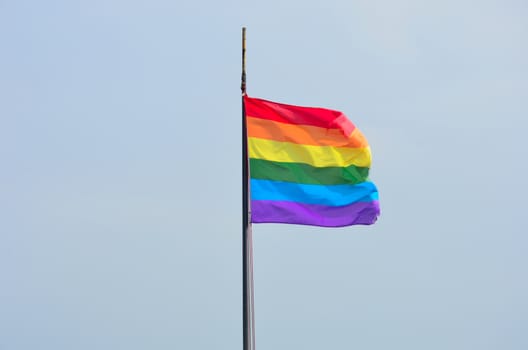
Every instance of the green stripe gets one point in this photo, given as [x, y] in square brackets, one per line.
[306, 174]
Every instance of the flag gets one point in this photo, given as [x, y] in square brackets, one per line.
[307, 166]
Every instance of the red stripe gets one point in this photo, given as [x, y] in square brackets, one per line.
[321, 117]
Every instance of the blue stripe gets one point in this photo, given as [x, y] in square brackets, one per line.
[331, 195]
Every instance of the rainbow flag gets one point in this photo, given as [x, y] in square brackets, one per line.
[307, 166]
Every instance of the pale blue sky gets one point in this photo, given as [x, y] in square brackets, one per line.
[120, 174]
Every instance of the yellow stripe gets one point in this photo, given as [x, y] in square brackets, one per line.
[318, 156]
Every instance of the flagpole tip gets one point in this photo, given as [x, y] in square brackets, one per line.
[243, 83]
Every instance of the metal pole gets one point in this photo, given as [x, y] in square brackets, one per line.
[245, 208]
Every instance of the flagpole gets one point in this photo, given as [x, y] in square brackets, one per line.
[247, 341]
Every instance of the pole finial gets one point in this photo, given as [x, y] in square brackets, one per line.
[243, 84]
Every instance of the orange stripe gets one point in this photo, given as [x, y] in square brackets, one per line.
[303, 134]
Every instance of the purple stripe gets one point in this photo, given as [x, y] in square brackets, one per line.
[359, 213]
